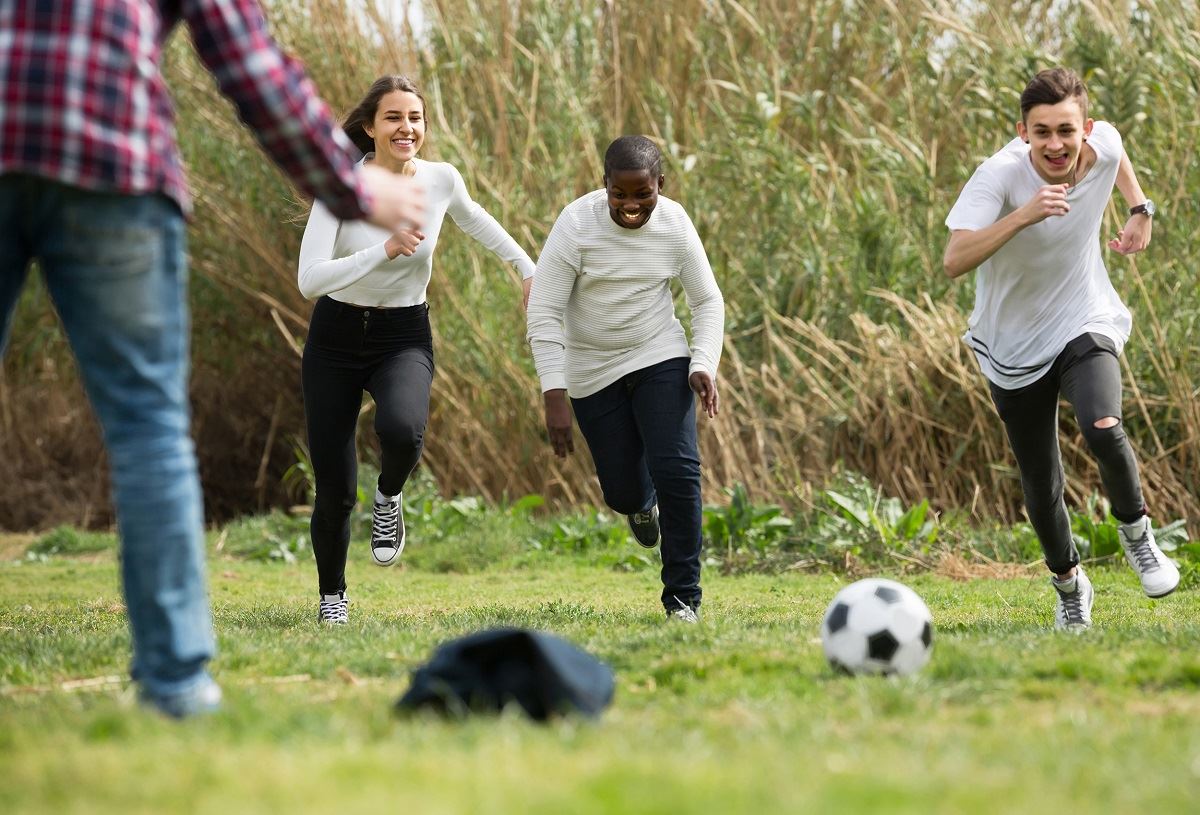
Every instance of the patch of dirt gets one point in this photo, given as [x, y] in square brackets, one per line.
[980, 567]
[13, 545]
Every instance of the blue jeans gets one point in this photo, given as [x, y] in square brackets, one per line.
[641, 431]
[115, 267]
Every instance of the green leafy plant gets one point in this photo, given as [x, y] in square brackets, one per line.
[863, 513]
[275, 537]
[65, 540]
[743, 525]
[586, 531]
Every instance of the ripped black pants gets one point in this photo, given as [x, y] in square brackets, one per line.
[1088, 375]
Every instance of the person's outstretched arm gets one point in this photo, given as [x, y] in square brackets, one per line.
[480, 225]
[278, 102]
[557, 269]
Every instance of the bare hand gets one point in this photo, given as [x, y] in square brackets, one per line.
[706, 389]
[558, 422]
[526, 287]
[397, 202]
[403, 242]
[1134, 237]
[1048, 201]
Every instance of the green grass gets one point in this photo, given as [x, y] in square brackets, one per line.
[739, 714]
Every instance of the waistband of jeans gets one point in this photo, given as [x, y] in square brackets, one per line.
[402, 313]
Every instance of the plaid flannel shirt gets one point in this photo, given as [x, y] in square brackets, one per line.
[83, 102]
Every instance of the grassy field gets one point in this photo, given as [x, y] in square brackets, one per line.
[738, 714]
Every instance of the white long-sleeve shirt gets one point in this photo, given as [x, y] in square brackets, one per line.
[601, 305]
[347, 259]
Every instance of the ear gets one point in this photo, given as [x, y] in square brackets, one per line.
[662, 182]
[370, 131]
[1022, 132]
[1087, 128]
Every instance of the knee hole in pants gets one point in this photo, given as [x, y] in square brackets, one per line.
[1105, 442]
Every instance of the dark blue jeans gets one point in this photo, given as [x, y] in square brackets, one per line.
[641, 431]
[115, 267]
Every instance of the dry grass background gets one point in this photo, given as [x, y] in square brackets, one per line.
[817, 144]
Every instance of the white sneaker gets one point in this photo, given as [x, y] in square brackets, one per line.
[1073, 611]
[683, 614]
[1159, 575]
[387, 529]
[334, 609]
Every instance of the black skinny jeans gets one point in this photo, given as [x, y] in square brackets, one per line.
[1088, 374]
[387, 352]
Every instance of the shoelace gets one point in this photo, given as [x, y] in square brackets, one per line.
[1143, 553]
[684, 612]
[642, 518]
[1072, 606]
[383, 524]
[334, 611]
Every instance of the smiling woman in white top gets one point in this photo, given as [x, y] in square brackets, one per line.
[1047, 320]
[370, 332]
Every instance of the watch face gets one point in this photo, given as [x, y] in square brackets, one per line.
[1150, 208]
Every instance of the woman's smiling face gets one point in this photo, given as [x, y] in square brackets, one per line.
[398, 128]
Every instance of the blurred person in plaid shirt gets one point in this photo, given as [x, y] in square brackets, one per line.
[92, 186]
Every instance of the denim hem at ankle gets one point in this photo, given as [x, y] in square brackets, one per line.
[174, 688]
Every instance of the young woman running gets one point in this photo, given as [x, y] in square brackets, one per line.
[1047, 320]
[370, 332]
[603, 329]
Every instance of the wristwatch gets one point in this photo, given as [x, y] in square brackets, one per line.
[1148, 209]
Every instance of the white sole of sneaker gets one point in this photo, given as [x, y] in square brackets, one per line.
[391, 561]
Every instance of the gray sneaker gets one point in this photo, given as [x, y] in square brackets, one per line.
[334, 609]
[1073, 612]
[644, 526]
[1159, 575]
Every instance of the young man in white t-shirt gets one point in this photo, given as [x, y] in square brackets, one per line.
[1047, 321]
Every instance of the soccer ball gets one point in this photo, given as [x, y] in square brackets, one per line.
[877, 626]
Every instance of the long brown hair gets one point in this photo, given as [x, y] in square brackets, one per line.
[364, 112]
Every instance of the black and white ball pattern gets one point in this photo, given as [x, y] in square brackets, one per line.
[877, 626]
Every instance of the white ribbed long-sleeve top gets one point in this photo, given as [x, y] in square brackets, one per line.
[601, 305]
[347, 259]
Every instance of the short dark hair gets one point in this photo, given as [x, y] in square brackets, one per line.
[364, 112]
[1052, 86]
[633, 153]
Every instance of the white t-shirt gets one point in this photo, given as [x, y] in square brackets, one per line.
[347, 259]
[601, 305]
[1048, 284]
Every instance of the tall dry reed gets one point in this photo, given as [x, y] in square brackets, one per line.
[818, 145]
